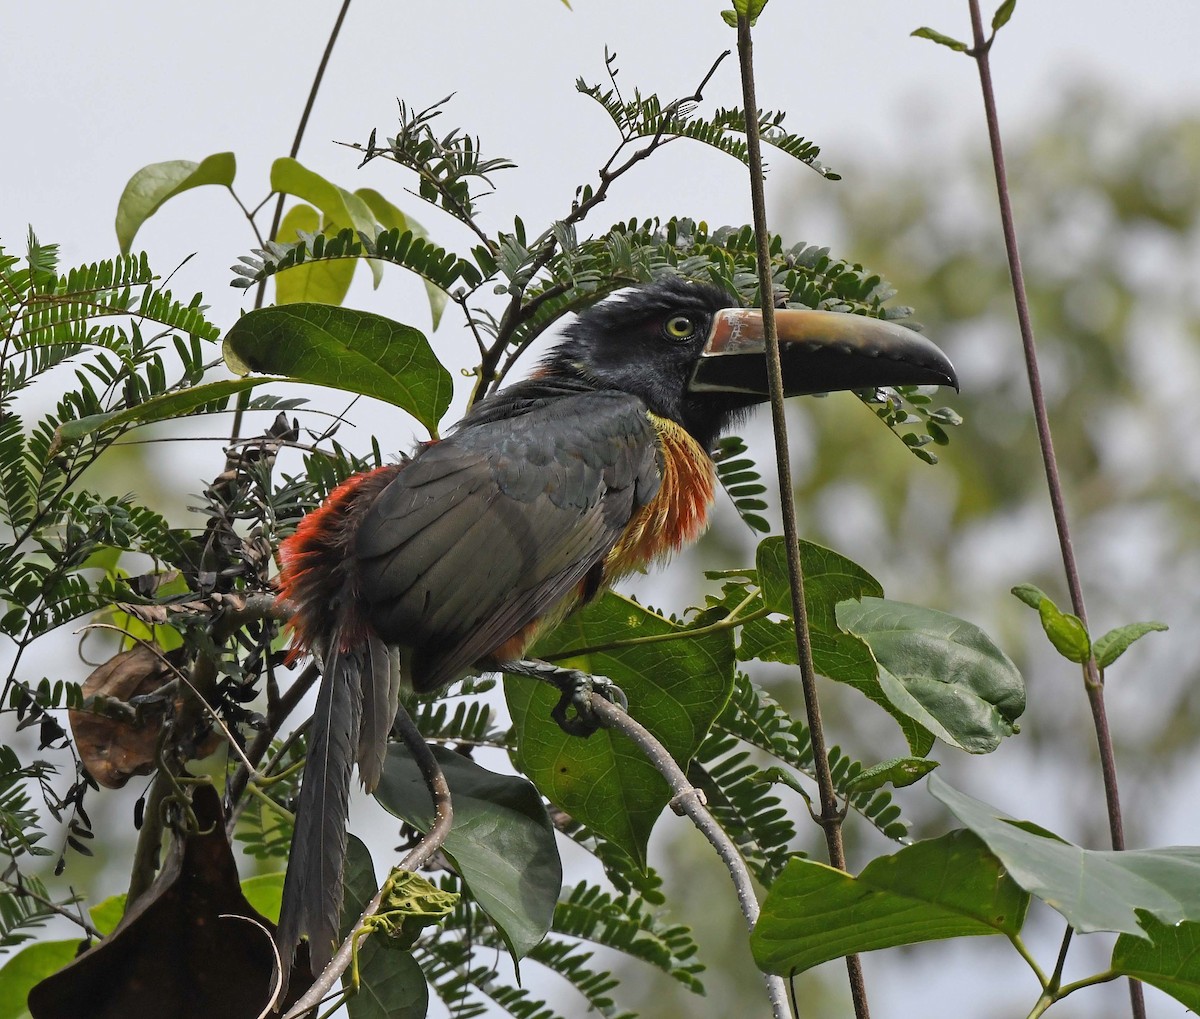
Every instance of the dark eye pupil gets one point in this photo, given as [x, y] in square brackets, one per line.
[680, 325]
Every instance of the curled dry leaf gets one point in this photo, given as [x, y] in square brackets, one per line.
[115, 742]
[183, 949]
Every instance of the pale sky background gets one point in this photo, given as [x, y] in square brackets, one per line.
[96, 91]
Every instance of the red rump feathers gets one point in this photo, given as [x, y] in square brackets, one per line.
[317, 577]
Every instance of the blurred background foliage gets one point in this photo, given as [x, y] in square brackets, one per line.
[1107, 198]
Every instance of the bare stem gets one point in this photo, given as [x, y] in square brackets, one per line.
[417, 857]
[260, 293]
[1093, 682]
[687, 799]
[831, 814]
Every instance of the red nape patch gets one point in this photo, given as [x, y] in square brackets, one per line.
[317, 565]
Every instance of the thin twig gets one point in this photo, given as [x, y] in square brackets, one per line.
[687, 799]
[831, 813]
[417, 857]
[77, 917]
[1093, 682]
[260, 293]
[516, 312]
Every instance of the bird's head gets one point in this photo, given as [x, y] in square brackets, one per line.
[695, 356]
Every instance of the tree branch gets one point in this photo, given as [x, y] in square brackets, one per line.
[689, 800]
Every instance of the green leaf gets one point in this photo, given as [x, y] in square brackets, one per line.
[1116, 642]
[358, 883]
[898, 772]
[1003, 13]
[745, 8]
[393, 985]
[391, 218]
[265, 893]
[841, 657]
[107, 914]
[942, 671]
[1030, 594]
[1066, 632]
[342, 208]
[947, 887]
[158, 408]
[31, 965]
[502, 842]
[1096, 890]
[154, 184]
[321, 281]
[1166, 957]
[676, 689]
[346, 349]
[829, 578]
[942, 40]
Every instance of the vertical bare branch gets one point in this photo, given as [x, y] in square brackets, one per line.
[831, 813]
[1093, 684]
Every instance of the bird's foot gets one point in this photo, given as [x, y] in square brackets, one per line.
[573, 712]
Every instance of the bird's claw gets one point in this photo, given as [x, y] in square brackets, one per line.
[577, 689]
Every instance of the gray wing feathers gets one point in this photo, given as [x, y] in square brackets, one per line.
[492, 527]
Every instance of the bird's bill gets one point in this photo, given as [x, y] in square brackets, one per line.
[819, 351]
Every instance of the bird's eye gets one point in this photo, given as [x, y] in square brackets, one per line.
[679, 327]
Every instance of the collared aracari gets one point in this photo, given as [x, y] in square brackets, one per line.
[548, 491]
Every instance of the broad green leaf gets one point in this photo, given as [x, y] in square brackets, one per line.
[502, 842]
[393, 985]
[322, 281]
[1116, 642]
[942, 671]
[841, 657]
[942, 40]
[948, 887]
[1066, 632]
[154, 184]
[1167, 956]
[391, 218]
[676, 688]
[31, 965]
[265, 893]
[1003, 13]
[1096, 890]
[342, 208]
[898, 772]
[345, 349]
[829, 578]
[158, 408]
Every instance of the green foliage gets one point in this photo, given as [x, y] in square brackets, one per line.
[346, 349]
[648, 117]
[949, 887]
[739, 477]
[674, 687]
[154, 184]
[502, 844]
[942, 40]
[1070, 637]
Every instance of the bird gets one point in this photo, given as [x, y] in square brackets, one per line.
[454, 559]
